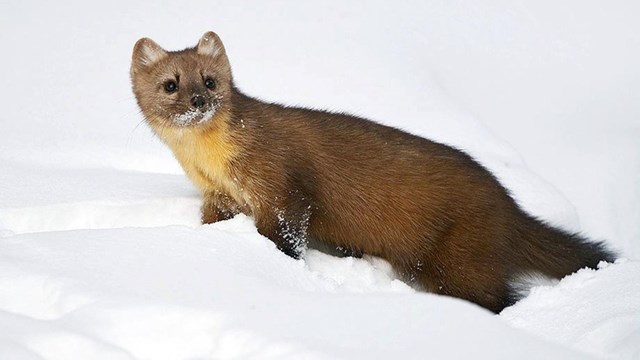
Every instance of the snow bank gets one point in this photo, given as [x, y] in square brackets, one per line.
[594, 316]
[223, 291]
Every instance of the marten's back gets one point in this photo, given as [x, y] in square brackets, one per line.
[376, 189]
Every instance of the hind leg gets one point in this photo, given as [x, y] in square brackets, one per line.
[469, 285]
[471, 272]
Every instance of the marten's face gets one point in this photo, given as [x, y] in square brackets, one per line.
[187, 88]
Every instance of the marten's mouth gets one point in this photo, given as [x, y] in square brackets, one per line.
[194, 117]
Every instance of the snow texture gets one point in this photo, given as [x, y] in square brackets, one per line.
[101, 252]
[194, 117]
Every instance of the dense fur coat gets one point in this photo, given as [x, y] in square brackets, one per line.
[442, 220]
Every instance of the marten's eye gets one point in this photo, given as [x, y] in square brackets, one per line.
[210, 84]
[170, 86]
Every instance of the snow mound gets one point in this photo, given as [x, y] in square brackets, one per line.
[224, 291]
[592, 317]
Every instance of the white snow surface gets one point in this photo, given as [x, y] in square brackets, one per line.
[101, 252]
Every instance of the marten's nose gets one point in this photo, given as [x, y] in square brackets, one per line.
[197, 101]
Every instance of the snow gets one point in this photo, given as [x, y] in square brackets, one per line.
[591, 318]
[102, 254]
[189, 117]
[175, 292]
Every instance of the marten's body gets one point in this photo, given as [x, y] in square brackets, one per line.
[441, 219]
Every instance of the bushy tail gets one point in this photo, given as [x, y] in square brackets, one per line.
[556, 253]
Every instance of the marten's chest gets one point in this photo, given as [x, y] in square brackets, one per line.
[206, 159]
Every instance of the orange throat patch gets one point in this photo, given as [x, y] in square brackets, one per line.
[205, 154]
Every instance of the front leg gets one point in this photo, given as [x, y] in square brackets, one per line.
[286, 227]
[217, 206]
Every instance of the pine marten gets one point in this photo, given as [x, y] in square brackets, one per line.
[441, 219]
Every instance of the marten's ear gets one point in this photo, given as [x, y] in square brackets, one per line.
[146, 52]
[210, 44]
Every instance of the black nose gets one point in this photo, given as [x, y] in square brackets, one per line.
[197, 101]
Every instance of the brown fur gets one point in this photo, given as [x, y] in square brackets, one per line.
[441, 219]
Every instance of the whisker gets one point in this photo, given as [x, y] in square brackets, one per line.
[133, 131]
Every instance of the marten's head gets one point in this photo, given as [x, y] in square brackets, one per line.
[188, 88]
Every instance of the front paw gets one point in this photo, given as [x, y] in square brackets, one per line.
[294, 252]
[209, 218]
[209, 214]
